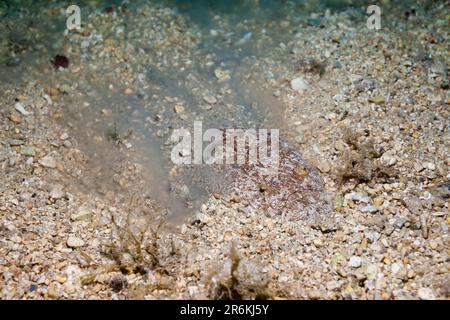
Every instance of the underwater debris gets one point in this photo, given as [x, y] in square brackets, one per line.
[61, 61]
[236, 279]
[112, 134]
[118, 283]
[134, 248]
[312, 65]
[361, 160]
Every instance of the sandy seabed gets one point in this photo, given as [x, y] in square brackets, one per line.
[82, 213]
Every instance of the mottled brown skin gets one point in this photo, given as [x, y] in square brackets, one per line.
[295, 191]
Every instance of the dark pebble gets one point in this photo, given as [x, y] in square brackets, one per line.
[61, 61]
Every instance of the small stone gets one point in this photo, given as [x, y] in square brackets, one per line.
[418, 167]
[128, 91]
[361, 197]
[210, 99]
[434, 98]
[74, 242]
[15, 142]
[355, 262]
[318, 243]
[48, 162]
[298, 84]
[399, 223]
[426, 294]
[413, 204]
[127, 145]
[433, 244]
[15, 118]
[85, 44]
[388, 159]
[372, 271]
[67, 144]
[284, 23]
[221, 75]
[369, 208]
[377, 100]
[336, 37]
[333, 285]
[199, 217]
[407, 63]
[179, 108]
[324, 167]
[65, 88]
[52, 291]
[25, 197]
[378, 221]
[424, 226]
[388, 229]
[183, 228]
[61, 279]
[57, 192]
[429, 165]
[28, 151]
[70, 289]
[326, 226]
[20, 108]
[338, 97]
[84, 212]
[396, 267]
[246, 38]
[378, 201]
[372, 236]
[107, 112]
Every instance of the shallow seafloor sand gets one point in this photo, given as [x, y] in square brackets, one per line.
[84, 154]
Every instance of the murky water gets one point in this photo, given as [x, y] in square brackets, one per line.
[216, 78]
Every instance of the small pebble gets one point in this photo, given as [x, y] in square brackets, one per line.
[399, 223]
[210, 99]
[355, 262]
[74, 242]
[83, 213]
[48, 162]
[15, 142]
[179, 108]
[15, 118]
[20, 108]
[426, 294]
[299, 84]
[369, 208]
[324, 167]
[28, 151]
[57, 192]
[377, 100]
